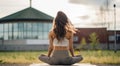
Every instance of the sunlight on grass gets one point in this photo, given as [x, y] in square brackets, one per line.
[20, 57]
[98, 56]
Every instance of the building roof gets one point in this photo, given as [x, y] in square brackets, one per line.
[27, 14]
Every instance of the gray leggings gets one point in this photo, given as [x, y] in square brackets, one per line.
[60, 57]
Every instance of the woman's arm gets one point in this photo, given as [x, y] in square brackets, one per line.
[71, 45]
[50, 49]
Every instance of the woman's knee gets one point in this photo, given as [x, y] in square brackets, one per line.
[80, 58]
[77, 59]
[40, 57]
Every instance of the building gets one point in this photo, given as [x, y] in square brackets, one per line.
[24, 30]
[85, 32]
[105, 37]
[28, 30]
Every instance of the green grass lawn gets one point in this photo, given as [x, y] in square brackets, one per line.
[99, 56]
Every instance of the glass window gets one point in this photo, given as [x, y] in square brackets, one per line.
[15, 30]
[5, 35]
[20, 30]
[50, 26]
[24, 35]
[45, 27]
[5, 27]
[20, 35]
[29, 36]
[15, 35]
[118, 38]
[10, 35]
[35, 36]
[35, 27]
[25, 26]
[75, 38]
[40, 36]
[45, 35]
[111, 38]
[1, 35]
[25, 30]
[28, 26]
[40, 27]
[1, 31]
[10, 27]
[15, 25]
[20, 27]
[1, 27]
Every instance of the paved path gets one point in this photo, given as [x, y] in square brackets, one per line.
[41, 64]
[81, 64]
[78, 64]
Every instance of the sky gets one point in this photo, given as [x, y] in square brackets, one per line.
[82, 13]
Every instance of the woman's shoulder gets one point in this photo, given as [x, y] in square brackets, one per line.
[51, 33]
[69, 34]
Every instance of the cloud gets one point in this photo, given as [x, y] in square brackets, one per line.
[99, 3]
[84, 17]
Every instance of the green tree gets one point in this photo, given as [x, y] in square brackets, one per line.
[94, 41]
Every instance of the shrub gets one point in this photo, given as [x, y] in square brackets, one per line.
[82, 44]
[94, 41]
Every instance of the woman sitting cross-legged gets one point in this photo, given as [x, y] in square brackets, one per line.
[61, 43]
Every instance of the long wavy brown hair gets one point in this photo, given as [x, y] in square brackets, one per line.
[61, 24]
